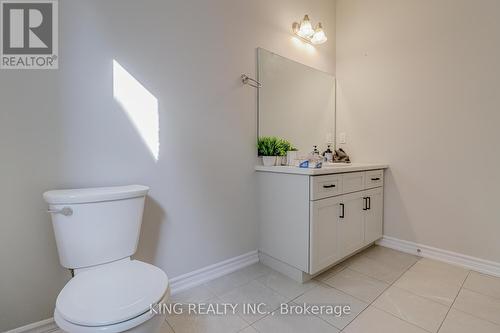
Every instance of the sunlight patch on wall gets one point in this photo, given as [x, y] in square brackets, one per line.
[140, 106]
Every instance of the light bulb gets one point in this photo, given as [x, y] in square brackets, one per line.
[319, 36]
[305, 30]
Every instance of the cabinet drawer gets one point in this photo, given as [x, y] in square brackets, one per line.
[325, 186]
[374, 178]
[352, 182]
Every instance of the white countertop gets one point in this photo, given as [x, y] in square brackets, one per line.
[325, 170]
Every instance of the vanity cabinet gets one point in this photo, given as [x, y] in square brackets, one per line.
[374, 214]
[342, 225]
[302, 235]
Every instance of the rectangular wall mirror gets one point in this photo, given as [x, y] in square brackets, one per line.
[296, 102]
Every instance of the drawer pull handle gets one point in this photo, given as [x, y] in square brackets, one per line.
[329, 186]
[342, 211]
[369, 203]
[375, 179]
[365, 203]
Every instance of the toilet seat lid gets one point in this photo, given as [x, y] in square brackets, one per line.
[112, 293]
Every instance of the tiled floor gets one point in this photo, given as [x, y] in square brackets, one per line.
[388, 291]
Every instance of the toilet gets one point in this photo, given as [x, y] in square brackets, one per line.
[97, 231]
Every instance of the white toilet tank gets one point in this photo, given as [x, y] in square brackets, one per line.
[94, 226]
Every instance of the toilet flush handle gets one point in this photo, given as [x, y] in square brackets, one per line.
[66, 211]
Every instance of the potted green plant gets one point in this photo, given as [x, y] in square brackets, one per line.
[273, 149]
[267, 147]
[284, 150]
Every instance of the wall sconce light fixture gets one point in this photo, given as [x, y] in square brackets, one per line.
[305, 31]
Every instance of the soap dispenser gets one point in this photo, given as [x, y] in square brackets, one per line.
[328, 154]
[315, 161]
[315, 152]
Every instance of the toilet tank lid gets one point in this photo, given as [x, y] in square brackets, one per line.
[96, 194]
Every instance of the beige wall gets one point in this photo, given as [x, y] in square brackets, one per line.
[63, 129]
[419, 87]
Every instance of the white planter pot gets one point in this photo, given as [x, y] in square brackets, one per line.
[269, 160]
[291, 156]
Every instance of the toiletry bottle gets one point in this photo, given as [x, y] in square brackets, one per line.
[315, 152]
[328, 154]
[315, 161]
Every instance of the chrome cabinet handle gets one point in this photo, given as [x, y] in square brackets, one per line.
[66, 211]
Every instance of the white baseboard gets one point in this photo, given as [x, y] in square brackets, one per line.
[177, 284]
[211, 272]
[44, 326]
[476, 264]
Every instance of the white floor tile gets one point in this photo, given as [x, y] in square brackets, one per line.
[377, 269]
[323, 295]
[256, 270]
[249, 329]
[188, 323]
[478, 305]
[331, 272]
[434, 280]
[483, 284]
[358, 285]
[460, 322]
[391, 257]
[373, 320]
[165, 328]
[412, 308]
[293, 324]
[193, 295]
[254, 293]
[286, 286]
[454, 274]
[236, 279]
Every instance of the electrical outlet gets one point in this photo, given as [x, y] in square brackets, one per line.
[343, 138]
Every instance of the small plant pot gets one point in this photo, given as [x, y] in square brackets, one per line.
[269, 160]
[291, 156]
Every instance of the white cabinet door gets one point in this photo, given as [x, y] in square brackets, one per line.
[374, 214]
[351, 224]
[323, 233]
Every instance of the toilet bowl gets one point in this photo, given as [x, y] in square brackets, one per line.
[97, 231]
